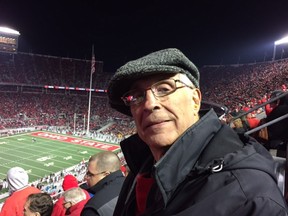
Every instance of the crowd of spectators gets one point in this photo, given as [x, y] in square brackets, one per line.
[70, 111]
[54, 184]
[34, 69]
[25, 101]
[237, 86]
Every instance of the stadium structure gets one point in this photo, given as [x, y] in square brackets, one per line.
[45, 98]
[8, 40]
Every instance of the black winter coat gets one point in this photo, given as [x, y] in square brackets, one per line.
[278, 130]
[105, 195]
[208, 171]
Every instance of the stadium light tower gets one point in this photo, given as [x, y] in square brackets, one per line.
[278, 42]
[9, 31]
[8, 40]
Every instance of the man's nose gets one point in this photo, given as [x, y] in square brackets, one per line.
[150, 100]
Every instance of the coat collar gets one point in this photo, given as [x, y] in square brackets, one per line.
[182, 155]
[105, 181]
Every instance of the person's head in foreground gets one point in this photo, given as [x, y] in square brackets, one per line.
[73, 196]
[17, 179]
[39, 204]
[101, 165]
[181, 164]
[69, 181]
[161, 92]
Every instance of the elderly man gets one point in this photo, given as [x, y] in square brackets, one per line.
[181, 164]
[74, 201]
[69, 182]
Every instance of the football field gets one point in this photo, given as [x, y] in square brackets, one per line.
[42, 153]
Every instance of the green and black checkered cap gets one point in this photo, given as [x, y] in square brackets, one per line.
[164, 61]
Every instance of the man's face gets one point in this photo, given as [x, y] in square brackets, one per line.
[161, 120]
[92, 177]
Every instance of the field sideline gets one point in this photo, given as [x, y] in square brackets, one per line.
[50, 152]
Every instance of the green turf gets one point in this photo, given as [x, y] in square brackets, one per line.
[40, 158]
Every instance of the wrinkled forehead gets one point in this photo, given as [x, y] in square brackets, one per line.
[150, 80]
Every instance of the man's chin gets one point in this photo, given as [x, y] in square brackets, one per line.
[158, 141]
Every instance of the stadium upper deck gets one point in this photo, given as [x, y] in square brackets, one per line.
[34, 69]
[235, 86]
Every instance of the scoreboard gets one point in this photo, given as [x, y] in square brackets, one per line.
[8, 40]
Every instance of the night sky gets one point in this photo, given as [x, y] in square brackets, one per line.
[208, 32]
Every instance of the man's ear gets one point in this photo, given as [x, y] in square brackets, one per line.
[37, 214]
[196, 96]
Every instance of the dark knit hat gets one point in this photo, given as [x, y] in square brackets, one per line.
[69, 182]
[164, 61]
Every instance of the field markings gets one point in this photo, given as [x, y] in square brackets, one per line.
[39, 154]
[30, 173]
[42, 148]
[25, 159]
[77, 141]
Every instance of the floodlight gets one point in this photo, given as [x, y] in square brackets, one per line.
[9, 31]
[278, 42]
[281, 41]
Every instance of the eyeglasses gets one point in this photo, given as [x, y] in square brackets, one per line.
[90, 175]
[159, 89]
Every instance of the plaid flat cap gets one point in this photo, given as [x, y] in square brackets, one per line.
[169, 60]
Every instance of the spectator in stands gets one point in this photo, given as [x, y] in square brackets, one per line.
[69, 182]
[3, 184]
[277, 132]
[125, 170]
[252, 120]
[268, 109]
[74, 201]
[181, 164]
[240, 125]
[19, 190]
[39, 204]
[104, 179]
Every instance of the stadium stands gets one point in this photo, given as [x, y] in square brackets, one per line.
[25, 102]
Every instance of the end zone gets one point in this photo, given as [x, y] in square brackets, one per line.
[76, 141]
